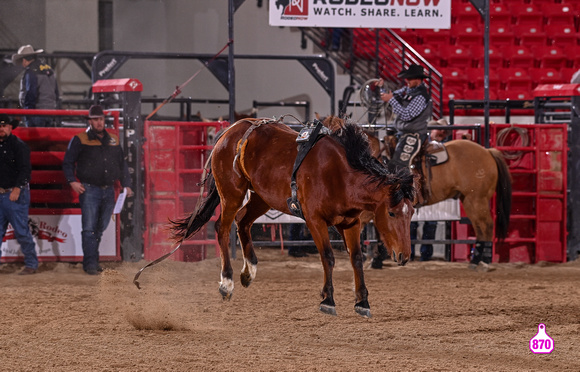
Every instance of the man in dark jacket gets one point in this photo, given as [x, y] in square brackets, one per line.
[92, 164]
[15, 172]
[38, 87]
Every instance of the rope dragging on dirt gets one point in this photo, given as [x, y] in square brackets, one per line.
[198, 205]
[178, 88]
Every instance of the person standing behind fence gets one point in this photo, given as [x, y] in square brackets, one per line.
[15, 172]
[38, 86]
[92, 164]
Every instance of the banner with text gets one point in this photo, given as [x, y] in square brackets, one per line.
[361, 13]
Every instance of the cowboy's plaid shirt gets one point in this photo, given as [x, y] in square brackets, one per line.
[413, 109]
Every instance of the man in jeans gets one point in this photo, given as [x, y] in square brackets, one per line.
[15, 172]
[92, 164]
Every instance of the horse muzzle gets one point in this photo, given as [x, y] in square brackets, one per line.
[401, 260]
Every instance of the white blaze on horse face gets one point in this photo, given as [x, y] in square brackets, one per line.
[405, 209]
[227, 284]
[251, 268]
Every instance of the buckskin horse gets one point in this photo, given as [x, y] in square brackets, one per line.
[337, 180]
[472, 174]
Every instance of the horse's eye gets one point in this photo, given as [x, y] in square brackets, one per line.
[391, 214]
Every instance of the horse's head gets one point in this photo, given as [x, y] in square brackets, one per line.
[393, 216]
[394, 225]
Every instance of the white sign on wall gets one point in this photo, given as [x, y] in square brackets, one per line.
[58, 236]
[427, 14]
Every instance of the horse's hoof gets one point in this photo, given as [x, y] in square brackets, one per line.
[246, 279]
[327, 309]
[225, 294]
[364, 312]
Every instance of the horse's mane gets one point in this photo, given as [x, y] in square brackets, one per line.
[358, 155]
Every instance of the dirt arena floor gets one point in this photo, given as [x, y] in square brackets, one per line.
[433, 316]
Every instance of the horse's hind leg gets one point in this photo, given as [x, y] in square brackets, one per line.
[477, 209]
[230, 205]
[254, 208]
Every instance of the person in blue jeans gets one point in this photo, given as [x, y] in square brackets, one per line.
[15, 172]
[92, 164]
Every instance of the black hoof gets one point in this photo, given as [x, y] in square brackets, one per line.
[363, 309]
[246, 279]
[327, 309]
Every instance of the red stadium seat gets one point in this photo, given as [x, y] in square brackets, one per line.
[456, 55]
[500, 34]
[479, 94]
[499, 15]
[561, 34]
[515, 78]
[436, 36]
[566, 73]
[429, 52]
[562, 14]
[475, 77]
[518, 56]
[546, 76]
[496, 57]
[409, 35]
[550, 56]
[454, 78]
[528, 34]
[526, 14]
[514, 94]
[466, 33]
[466, 14]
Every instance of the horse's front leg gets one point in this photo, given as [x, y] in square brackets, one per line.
[319, 232]
[351, 238]
[254, 208]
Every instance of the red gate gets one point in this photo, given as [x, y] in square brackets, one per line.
[175, 153]
[537, 158]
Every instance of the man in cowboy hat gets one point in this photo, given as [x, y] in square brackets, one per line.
[38, 86]
[92, 164]
[414, 107]
[14, 191]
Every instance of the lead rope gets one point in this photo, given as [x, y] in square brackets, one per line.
[198, 205]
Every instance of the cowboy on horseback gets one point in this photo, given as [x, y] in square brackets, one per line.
[414, 108]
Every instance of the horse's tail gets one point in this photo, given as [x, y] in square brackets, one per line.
[188, 226]
[503, 198]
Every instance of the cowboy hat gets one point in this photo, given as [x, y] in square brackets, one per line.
[413, 72]
[25, 51]
[4, 119]
[96, 111]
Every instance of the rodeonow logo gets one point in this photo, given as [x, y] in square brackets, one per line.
[293, 9]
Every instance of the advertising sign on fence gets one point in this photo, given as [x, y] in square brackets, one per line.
[58, 238]
[361, 13]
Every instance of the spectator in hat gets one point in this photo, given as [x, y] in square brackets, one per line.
[38, 86]
[15, 172]
[93, 163]
[413, 107]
